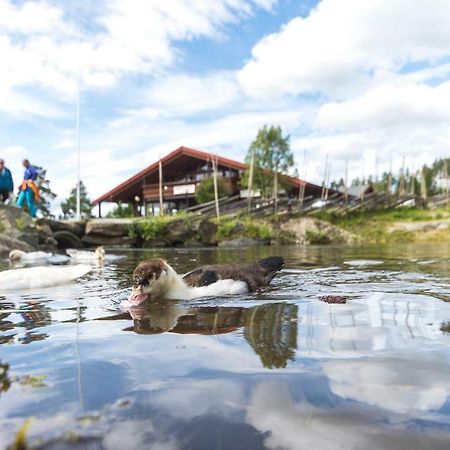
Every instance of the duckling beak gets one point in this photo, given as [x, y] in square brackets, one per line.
[137, 296]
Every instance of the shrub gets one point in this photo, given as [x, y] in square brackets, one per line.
[257, 230]
[156, 227]
[204, 192]
[121, 211]
[226, 228]
[244, 228]
[317, 237]
[149, 229]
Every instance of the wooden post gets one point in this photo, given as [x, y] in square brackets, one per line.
[327, 182]
[161, 199]
[275, 183]
[412, 188]
[100, 210]
[401, 186]
[423, 186]
[216, 191]
[302, 189]
[346, 184]
[250, 180]
[389, 184]
[275, 190]
[446, 181]
[324, 179]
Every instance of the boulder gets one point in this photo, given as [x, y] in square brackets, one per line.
[75, 227]
[178, 232]
[13, 220]
[117, 241]
[108, 227]
[309, 230]
[66, 239]
[8, 243]
[207, 233]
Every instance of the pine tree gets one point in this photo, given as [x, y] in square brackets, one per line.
[46, 193]
[69, 206]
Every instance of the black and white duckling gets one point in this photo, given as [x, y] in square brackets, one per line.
[86, 256]
[155, 278]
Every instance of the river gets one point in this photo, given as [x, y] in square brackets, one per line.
[276, 369]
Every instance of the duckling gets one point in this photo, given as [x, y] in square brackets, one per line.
[16, 256]
[155, 278]
[87, 256]
[39, 277]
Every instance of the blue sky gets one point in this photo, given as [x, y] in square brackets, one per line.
[357, 81]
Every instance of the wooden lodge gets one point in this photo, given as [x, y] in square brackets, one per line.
[176, 177]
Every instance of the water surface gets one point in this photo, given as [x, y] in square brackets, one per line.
[277, 369]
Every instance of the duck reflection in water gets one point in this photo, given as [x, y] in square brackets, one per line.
[270, 329]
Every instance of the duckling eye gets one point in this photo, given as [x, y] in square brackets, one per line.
[141, 281]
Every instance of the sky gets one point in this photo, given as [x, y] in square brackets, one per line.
[367, 82]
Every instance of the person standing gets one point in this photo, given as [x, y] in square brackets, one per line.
[28, 190]
[6, 182]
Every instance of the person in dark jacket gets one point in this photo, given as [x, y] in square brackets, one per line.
[6, 182]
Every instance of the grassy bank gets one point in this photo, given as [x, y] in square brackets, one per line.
[396, 225]
[188, 229]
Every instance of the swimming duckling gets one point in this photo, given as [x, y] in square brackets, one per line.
[156, 278]
[39, 277]
[16, 256]
[87, 256]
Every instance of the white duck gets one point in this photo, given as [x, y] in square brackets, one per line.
[37, 258]
[39, 277]
[86, 256]
[28, 258]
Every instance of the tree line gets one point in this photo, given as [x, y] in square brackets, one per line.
[429, 180]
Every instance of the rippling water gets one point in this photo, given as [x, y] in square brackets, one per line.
[278, 369]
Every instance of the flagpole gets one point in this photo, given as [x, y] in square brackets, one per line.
[78, 211]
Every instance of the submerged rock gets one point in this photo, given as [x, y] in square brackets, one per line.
[334, 299]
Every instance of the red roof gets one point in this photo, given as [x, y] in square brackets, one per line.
[179, 151]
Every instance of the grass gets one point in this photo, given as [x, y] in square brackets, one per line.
[376, 226]
[317, 237]
[156, 227]
[2, 227]
[243, 228]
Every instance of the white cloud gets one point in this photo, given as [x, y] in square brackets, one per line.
[183, 94]
[41, 45]
[401, 385]
[287, 424]
[344, 44]
[389, 105]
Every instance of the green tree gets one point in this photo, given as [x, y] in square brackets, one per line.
[69, 206]
[205, 190]
[121, 210]
[46, 193]
[272, 155]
